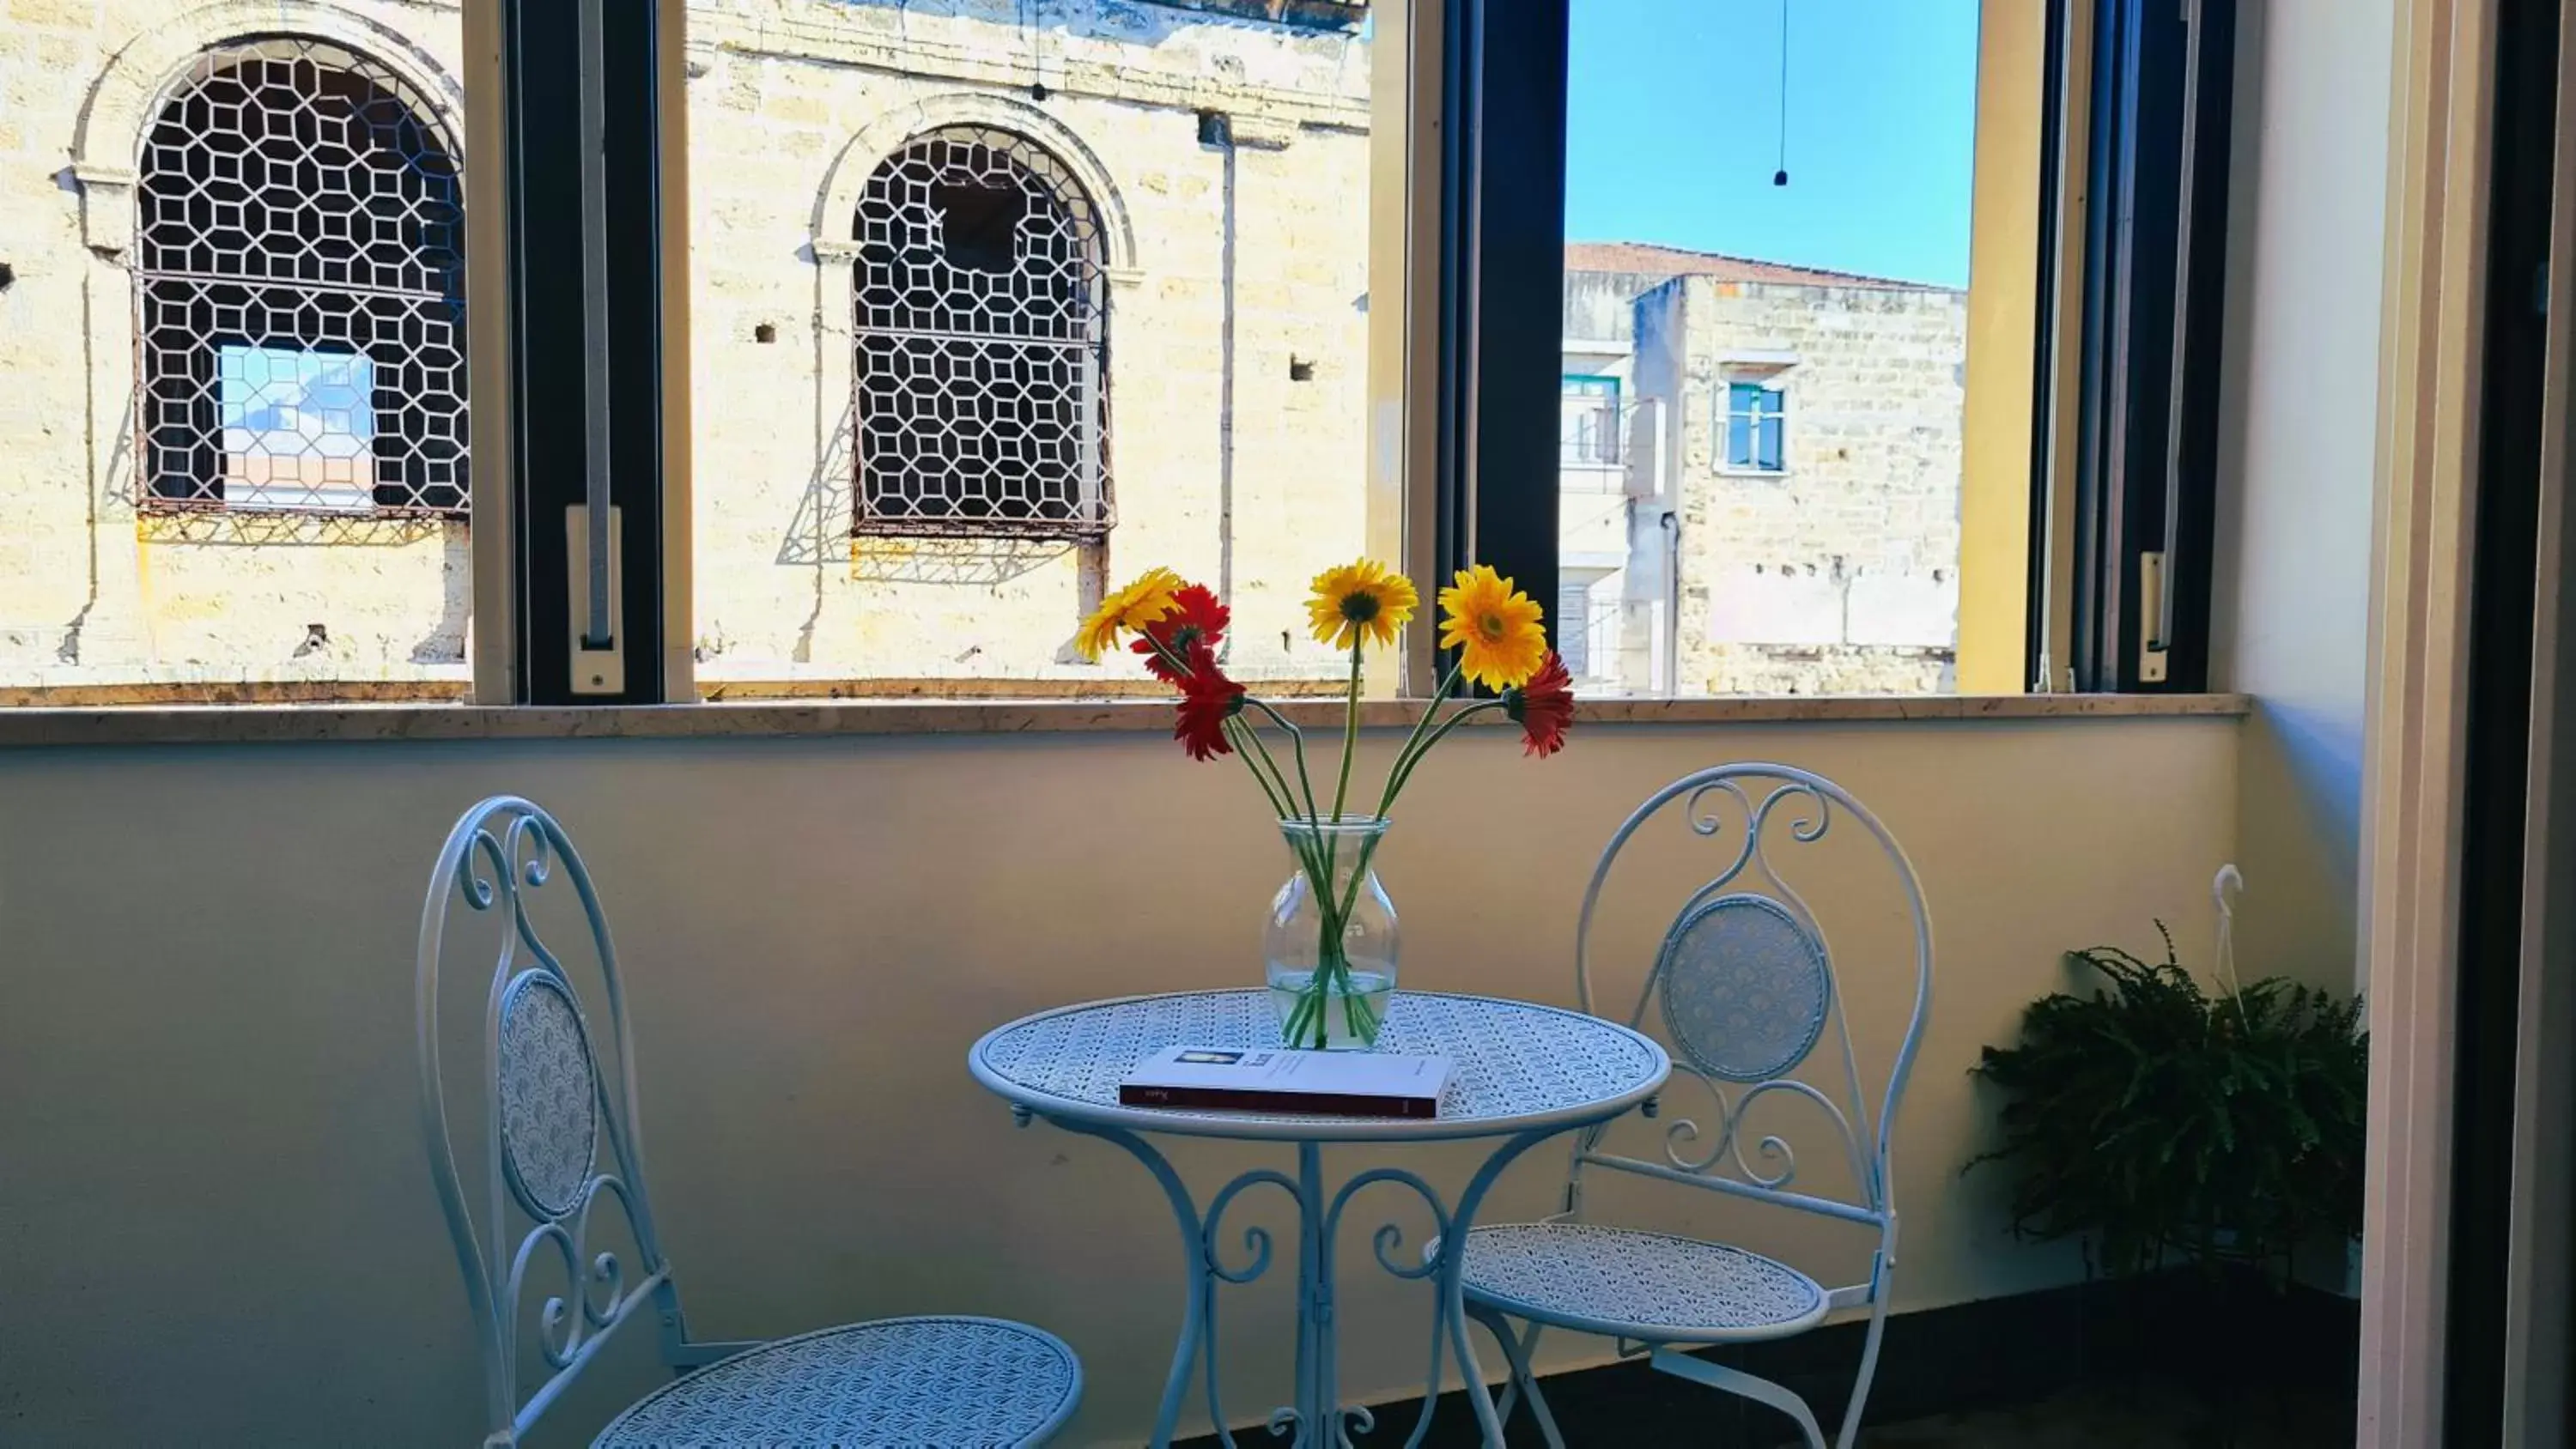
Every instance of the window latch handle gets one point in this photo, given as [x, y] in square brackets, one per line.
[598, 653]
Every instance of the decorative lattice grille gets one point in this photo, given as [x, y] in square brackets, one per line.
[299, 298]
[982, 356]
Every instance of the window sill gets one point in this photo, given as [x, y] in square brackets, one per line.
[281, 724]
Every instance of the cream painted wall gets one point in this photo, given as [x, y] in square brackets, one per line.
[2292, 612]
[216, 1228]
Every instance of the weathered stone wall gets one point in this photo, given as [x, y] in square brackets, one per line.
[90, 593]
[1236, 357]
[1839, 573]
[1230, 266]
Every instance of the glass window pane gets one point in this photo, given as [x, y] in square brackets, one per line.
[1573, 628]
[1010, 313]
[1591, 421]
[1734, 309]
[299, 426]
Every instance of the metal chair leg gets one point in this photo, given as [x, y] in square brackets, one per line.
[1520, 1354]
[1516, 1351]
[1736, 1381]
[1868, 1370]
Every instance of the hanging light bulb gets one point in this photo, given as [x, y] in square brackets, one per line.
[1780, 177]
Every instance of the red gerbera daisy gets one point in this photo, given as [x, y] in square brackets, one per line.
[1208, 700]
[1544, 706]
[1198, 620]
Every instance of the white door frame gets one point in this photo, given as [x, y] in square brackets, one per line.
[2431, 342]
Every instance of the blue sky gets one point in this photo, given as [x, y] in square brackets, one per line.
[1674, 122]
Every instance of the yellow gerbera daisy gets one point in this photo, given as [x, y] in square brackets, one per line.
[1132, 608]
[1495, 628]
[1361, 600]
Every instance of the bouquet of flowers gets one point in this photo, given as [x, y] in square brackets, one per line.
[1333, 987]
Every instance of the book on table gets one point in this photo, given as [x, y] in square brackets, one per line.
[1278, 1079]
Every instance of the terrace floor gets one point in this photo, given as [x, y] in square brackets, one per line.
[2103, 1366]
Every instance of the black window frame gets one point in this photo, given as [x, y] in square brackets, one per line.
[2147, 372]
[1502, 289]
[2152, 289]
[2141, 480]
[548, 446]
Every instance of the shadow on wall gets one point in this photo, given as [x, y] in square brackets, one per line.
[2299, 837]
[975, 562]
[826, 516]
[445, 642]
[822, 535]
[219, 527]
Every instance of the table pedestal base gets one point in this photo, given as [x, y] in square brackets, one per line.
[1318, 1419]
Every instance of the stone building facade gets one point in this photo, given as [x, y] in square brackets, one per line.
[106, 580]
[1187, 168]
[1789, 451]
[1220, 152]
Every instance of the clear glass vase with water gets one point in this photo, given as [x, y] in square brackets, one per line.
[1331, 942]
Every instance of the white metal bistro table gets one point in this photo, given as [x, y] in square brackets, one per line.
[1523, 1073]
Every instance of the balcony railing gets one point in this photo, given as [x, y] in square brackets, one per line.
[1588, 438]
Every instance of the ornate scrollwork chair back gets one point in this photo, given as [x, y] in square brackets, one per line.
[1745, 987]
[556, 1132]
[555, 1234]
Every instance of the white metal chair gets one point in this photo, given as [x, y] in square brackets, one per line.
[559, 1139]
[1747, 990]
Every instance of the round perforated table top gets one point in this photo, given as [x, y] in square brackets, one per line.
[1516, 1065]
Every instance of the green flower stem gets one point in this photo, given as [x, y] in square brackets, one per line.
[1359, 873]
[1235, 735]
[1249, 745]
[1310, 1019]
[1296, 738]
[1317, 855]
[1350, 735]
[1412, 741]
[1482, 706]
[1350, 751]
[1280, 800]
[1414, 747]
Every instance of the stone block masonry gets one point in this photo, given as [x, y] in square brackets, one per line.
[1836, 571]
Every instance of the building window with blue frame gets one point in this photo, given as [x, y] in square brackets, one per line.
[1756, 418]
[1588, 434]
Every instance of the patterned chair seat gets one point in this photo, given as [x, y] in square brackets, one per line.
[950, 1382]
[1652, 1287]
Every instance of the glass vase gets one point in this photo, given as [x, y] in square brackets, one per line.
[1331, 943]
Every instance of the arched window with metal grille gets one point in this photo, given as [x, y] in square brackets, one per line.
[981, 372]
[299, 290]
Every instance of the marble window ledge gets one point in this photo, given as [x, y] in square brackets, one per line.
[272, 723]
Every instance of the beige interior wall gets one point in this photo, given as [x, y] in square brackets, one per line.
[216, 1226]
[2291, 612]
